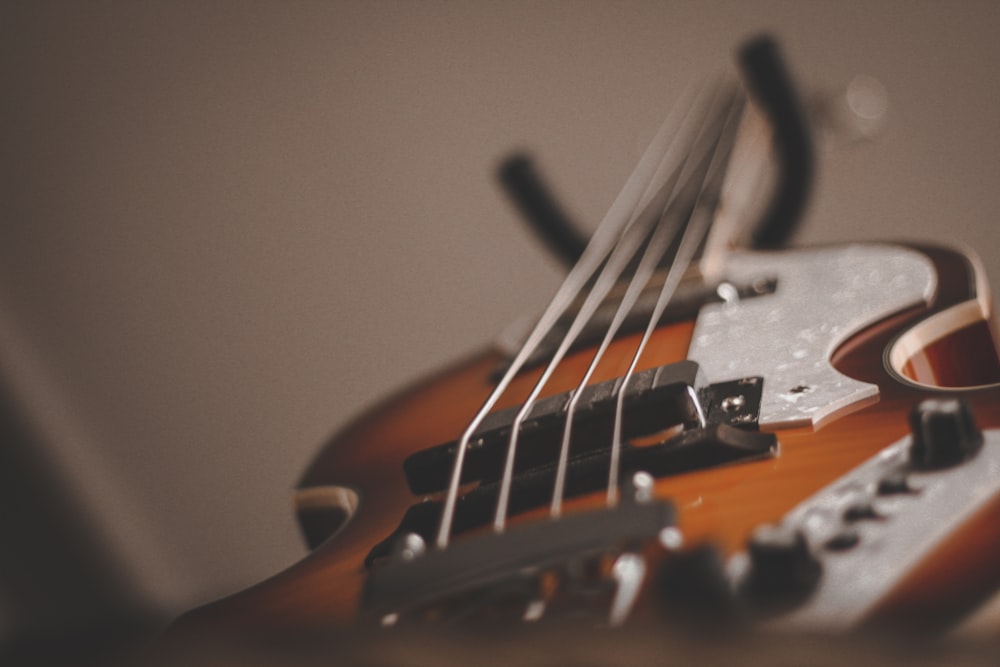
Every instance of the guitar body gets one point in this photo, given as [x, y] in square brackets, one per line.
[355, 493]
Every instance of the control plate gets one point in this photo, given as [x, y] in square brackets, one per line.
[871, 527]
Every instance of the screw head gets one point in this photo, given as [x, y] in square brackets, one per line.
[642, 485]
[733, 403]
[409, 547]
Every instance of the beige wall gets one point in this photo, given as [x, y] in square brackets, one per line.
[227, 227]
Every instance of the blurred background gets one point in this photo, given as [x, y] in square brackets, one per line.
[227, 227]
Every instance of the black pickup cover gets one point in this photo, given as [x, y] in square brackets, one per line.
[655, 399]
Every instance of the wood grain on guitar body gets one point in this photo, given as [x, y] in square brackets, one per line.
[700, 426]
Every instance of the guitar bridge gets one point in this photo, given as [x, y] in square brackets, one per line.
[510, 564]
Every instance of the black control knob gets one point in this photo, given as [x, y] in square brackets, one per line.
[944, 433]
[695, 590]
[782, 566]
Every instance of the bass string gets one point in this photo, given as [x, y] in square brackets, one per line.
[744, 191]
[617, 261]
[691, 239]
[694, 170]
[643, 221]
[599, 246]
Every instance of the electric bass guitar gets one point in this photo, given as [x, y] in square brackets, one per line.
[702, 424]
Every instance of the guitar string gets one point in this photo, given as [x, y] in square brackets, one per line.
[744, 192]
[668, 227]
[694, 234]
[644, 220]
[600, 244]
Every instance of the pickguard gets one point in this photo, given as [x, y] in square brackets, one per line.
[823, 297]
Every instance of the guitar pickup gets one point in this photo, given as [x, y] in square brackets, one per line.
[656, 400]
